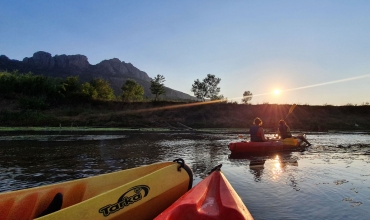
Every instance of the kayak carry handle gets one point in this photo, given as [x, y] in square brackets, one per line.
[216, 168]
[182, 164]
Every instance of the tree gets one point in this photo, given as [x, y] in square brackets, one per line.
[72, 85]
[103, 89]
[247, 96]
[199, 89]
[72, 89]
[88, 90]
[29, 85]
[98, 89]
[207, 88]
[132, 91]
[218, 97]
[157, 86]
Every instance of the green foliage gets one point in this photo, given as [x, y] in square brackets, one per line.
[88, 90]
[8, 82]
[98, 89]
[72, 85]
[41, 92]
[206, 88]
[247, 96]
[73, 90]
[103, 89]
[29, 85]
[132, 91]
[200, 90]
[157, 86]
[218, 97]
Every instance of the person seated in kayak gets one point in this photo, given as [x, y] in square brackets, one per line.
[256, 131]
[284, 132]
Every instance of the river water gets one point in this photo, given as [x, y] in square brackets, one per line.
[328, 180]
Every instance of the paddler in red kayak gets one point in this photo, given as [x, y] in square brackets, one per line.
[284, 132]
[256, 131]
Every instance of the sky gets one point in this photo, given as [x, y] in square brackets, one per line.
[314, 52]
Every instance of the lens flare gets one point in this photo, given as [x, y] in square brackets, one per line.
[309, 86]
[235, 98]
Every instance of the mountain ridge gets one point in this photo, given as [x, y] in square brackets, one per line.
[115, 71]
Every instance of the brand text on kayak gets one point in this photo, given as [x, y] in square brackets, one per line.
[126, 199]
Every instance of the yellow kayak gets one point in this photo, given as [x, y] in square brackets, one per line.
[138, 193]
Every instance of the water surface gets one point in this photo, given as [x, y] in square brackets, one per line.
[329, 180]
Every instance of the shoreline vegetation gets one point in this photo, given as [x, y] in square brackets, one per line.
[98, 115]
[28, 100]
[89, 130]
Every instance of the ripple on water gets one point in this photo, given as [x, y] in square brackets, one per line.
[340, 182]
[327, 181]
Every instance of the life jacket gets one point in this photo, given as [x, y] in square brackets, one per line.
[284, 132]
[255, 135]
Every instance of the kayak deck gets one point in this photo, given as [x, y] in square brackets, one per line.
[115, 195]
[212, 198]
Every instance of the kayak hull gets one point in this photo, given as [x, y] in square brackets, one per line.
[212, 198]
[122, 194]
[265, 147]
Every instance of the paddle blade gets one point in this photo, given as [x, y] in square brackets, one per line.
[292, 108]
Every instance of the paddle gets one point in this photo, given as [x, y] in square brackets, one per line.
[290, 110]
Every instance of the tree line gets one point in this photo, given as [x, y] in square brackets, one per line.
[40, 92]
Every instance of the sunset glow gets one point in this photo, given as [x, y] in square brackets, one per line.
[268, 49]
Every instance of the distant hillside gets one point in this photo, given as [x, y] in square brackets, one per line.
[113, 70]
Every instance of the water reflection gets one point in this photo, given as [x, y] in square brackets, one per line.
[256, 167]
[277, 164]
[333, 174]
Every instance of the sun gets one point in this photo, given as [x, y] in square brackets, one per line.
[276, 92]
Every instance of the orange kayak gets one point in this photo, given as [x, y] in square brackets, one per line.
[212, 198]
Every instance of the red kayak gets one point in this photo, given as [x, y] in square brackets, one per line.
[212, 198]
[268, 146]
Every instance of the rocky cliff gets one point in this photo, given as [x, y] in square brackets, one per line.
[113, 70]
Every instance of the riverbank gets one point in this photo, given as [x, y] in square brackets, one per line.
[113, 130]
[186, 116]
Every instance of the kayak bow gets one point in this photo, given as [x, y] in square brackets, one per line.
[212, 198]
[138, 193]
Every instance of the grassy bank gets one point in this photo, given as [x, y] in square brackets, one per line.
[175, 115]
